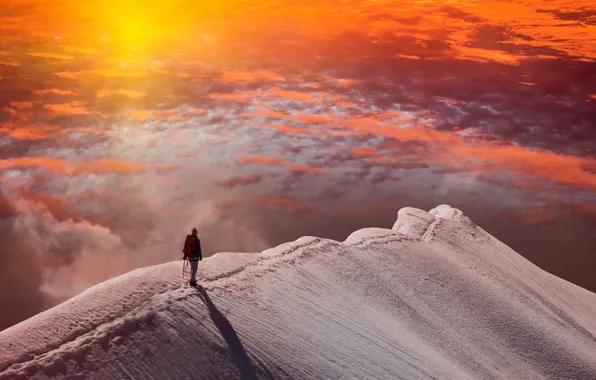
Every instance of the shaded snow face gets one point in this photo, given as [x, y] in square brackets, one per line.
[118, 133]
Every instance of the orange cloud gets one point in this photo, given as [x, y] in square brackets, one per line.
[122, 72]
[97, 167]
[162, 113]
[195, 111]
[238, 76]
[48, 163]
[443, 99]
[265, 160]
[95, 131]
[307, 169]
[107, 167]
[74, 75]
[141, 115]
[83, 50]
[312, 119]
[167, 168]
[55, 92]
[51, 55]
[270, 114]
[29, 132]
[486, 55]
[542, 164]
[540, 22]
[128, 93]
[407, 56]
[10, 63]
[293, 95]
[178, 114]
[364, 152]
[55, 205]
[450, 150]
[177, 118]
[374, 125]
[346, 82]
[21, 105]
[239, 96]
[67, 109]
[239, 181]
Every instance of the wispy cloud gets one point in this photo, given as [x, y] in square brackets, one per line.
[102, 93]
[97, 167]
[265, 160]
[239, 181]
[68, 109]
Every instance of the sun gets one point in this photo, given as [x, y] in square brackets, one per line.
[136, 23]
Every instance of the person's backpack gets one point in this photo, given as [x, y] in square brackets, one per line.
[190, 246]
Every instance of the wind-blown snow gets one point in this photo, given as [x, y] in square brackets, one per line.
[435, 297]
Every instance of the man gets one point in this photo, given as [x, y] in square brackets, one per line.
[192, 253]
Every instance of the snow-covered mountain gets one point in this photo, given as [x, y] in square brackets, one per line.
[435, 297]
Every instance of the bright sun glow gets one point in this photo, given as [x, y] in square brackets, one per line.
[137, 23]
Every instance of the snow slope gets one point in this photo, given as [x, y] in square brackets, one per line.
[435, 297]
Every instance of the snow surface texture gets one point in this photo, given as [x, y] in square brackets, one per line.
[435, 297]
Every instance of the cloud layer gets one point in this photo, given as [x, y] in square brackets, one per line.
[117, 137]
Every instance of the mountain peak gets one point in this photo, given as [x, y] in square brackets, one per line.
[435, 296]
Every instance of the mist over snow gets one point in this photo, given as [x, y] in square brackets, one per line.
[434, 297]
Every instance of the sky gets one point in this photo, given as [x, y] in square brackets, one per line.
[123, 124]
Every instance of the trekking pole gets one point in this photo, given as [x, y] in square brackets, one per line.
[184, 267]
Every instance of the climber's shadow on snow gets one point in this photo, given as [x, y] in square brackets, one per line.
[243, 362]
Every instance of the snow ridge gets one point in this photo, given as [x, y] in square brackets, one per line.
[433, 297]
[361, 237]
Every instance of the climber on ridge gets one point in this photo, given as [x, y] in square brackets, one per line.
[192, 253]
